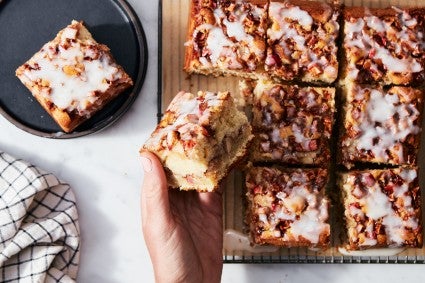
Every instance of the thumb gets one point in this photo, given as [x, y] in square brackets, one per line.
[154, 199]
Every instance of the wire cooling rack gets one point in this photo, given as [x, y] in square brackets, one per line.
[173, 19]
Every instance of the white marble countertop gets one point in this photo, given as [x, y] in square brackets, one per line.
[106, 175]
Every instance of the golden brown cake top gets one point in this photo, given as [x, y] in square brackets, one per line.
[71, 70]
[385, 207]
[292, 124]
[380, 121]
[383, 43]
[187, 117]
[302, 40]
[289, 204]
[228, 34]
[302, 10]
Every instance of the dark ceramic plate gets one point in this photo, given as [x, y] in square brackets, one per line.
[26, 25]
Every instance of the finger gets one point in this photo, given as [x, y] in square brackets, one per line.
[213, 202]
[155, 202]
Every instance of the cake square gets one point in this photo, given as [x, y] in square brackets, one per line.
[380, 125]
[226, 37]
[73, 76]
[287, 207]
[292, 124]
[301, 41]
[199, 139]
[384, 45]
[382, 208]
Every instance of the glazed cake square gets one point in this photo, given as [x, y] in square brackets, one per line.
[382, 208]
[292, 124]
[301, 41]
[381, 125]
[287, 207]
[199, 139]
[73, 76]
[384, 45]
[226, 37]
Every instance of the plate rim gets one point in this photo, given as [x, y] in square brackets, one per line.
[142, 48]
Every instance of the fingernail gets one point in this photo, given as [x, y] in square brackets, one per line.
[147, 164]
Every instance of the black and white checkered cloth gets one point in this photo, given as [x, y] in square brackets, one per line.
[39, 233]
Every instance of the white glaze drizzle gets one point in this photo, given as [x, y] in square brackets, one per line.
[358, 37]
[219, 45]
[284, 31]
[188, 117]
[300, 133]
[235, 241]
[72, 92]
[389, 135]
[311, 223]
[376, 205]
[372, 252]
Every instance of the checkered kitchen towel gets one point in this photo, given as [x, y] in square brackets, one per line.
[39, 233]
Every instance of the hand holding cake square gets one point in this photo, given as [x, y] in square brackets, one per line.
[199, 139]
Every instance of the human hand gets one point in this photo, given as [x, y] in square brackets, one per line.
[183, 231]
